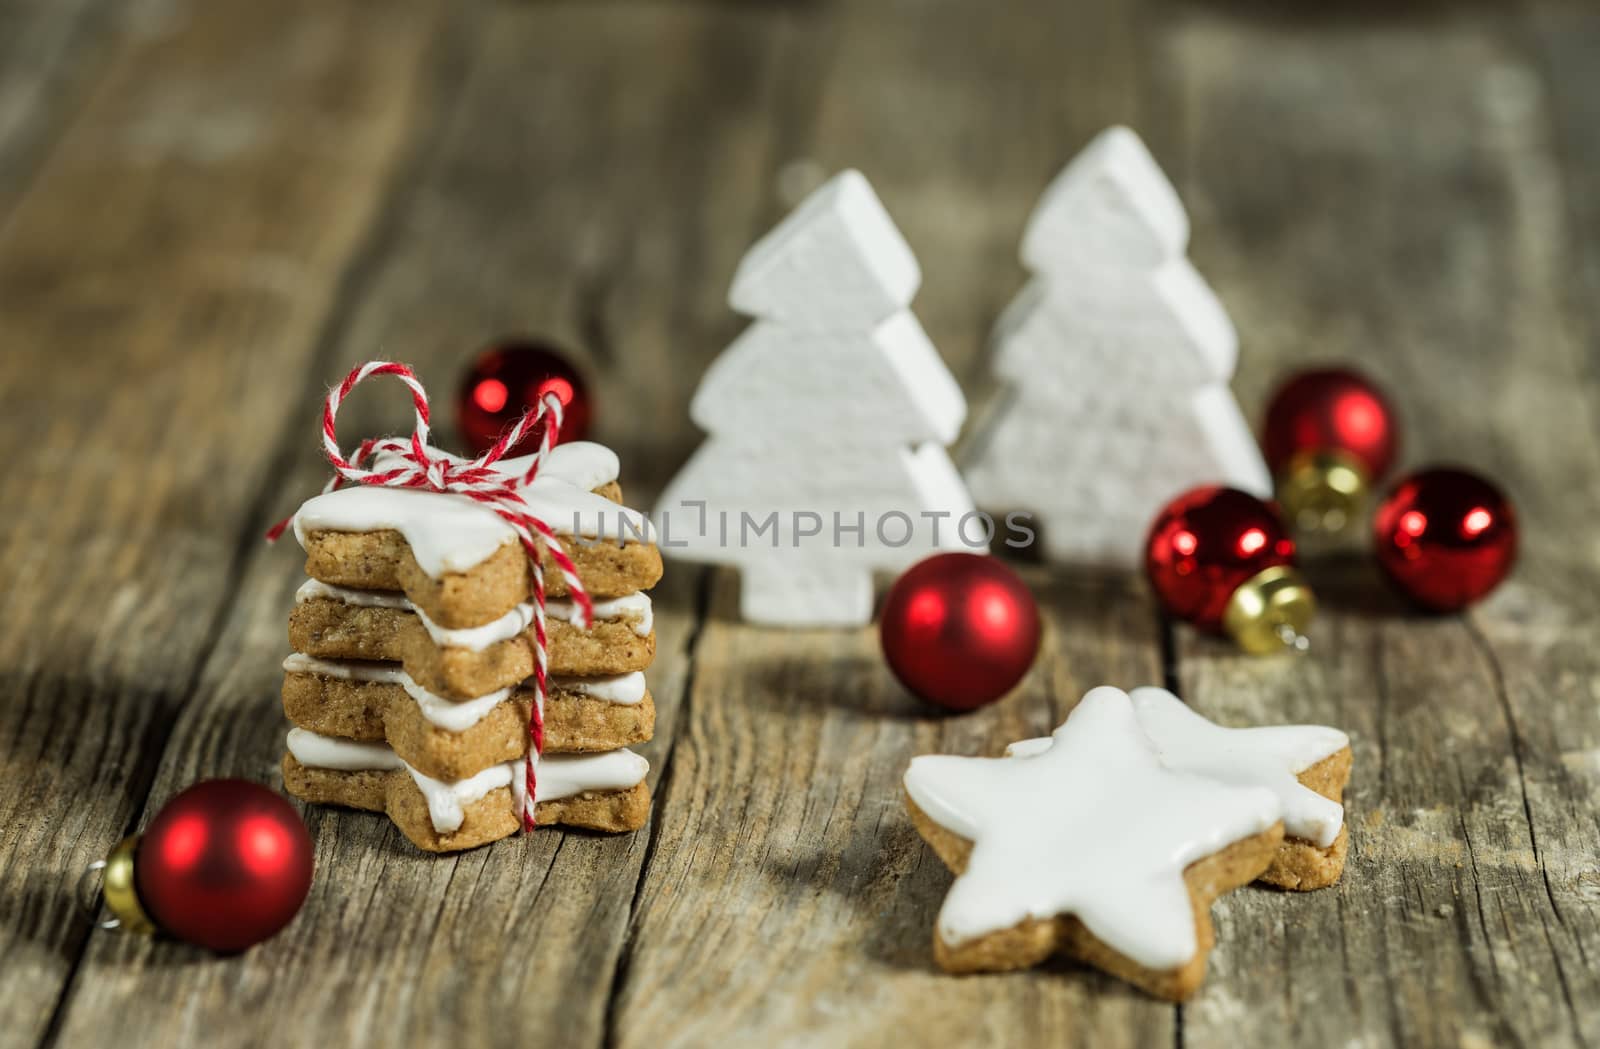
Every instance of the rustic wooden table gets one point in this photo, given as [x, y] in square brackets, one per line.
[209, 210]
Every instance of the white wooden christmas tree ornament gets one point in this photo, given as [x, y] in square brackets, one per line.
[1111, 206]
[1165, 327]
[837, 263]
[1116, 358]
[899, 387]
[828, 420]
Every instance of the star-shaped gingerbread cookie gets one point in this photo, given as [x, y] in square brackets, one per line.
[1089, 846]
[1306, 766]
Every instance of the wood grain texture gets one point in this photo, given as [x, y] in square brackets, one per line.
[457, 949]
[789, 894]
[789, 898]
[51, 54]
[164, 327]
[209, 211]
[1464, 916]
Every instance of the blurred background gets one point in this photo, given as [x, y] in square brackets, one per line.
[300, 186]
[211, 209]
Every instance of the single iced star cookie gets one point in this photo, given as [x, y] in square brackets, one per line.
[1089, 846]
[1306, 766]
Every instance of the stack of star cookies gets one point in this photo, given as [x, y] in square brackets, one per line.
[409, 688]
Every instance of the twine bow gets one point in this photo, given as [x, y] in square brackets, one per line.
[421, 466]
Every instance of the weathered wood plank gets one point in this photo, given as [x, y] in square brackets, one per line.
[1387, 196]
[1565, 38]
[163, 279]
[536, 176]
[1543, 635]
[1390, 190]
[393, 946]
[789, 900]
[50, 54]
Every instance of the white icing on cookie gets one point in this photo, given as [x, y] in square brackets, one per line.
[347, 669]
[1092, 825]
[1029, 748]
[449, 714]
[623, 689]
[475, 638]
[1270, 756]
[560, 775]
[447, 533]
[568, 775]
[447, 800]
[316, 751]
[454, 715]
[451, 533]
[317, 590]
[634, 608]
[478, 638]
[582, 464]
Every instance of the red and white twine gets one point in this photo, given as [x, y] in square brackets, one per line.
[431, 470]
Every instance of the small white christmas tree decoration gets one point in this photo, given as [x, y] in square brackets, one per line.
[1111, 206]
[837, 262]
[1116, 358]
[828, 420]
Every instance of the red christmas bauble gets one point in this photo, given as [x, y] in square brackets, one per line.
[1445, 537]
[509, 378]
[1222, 559]
[959, 630]
[1208, 542]
[1331, 409]
[225, 864]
